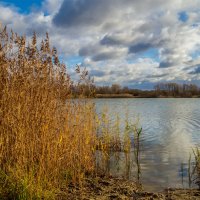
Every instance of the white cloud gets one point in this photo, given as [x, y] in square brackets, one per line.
[116, 37]
[52, 6]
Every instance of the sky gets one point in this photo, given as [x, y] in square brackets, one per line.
[135, 43]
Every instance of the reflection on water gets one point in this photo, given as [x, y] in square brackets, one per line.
[171, 128]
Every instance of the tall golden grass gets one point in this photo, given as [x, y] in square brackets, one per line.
[48, 140]
[45, 141]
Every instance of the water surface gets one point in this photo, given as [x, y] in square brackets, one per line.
[171, 128]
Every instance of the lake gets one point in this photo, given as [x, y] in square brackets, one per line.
[171, 128]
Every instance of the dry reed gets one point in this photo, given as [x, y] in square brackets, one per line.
[48, 140]
[45, 141]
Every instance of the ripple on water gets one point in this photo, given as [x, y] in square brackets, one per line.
[171, 128]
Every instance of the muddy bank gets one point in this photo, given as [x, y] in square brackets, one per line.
[120, 189]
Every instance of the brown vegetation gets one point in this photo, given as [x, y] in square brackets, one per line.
[45, 141]
[177, 90]
[160, 90]
[48, 140]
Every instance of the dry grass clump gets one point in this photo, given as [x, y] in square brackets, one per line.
[194, 177]
[45, 142]
[115, 142]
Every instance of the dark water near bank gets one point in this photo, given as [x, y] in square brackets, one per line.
[171, 128]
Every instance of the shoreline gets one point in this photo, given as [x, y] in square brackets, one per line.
[99, 96]
[103, 188]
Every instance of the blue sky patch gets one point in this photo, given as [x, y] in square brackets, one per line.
[183, 16]
[151, 53]
[25, 6]
[73, 60]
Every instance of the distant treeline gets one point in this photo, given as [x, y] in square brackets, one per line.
[160, 90]
[177, 90]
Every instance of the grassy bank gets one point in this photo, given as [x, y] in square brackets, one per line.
[132, 96]
[114, 96]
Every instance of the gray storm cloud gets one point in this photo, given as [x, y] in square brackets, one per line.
[95, 12]
[84, 12]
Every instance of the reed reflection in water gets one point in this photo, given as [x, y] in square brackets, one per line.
[171, 128]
